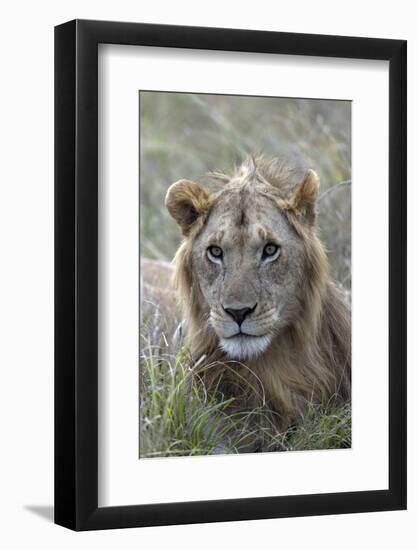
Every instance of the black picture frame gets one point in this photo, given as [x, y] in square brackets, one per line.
[76, 272]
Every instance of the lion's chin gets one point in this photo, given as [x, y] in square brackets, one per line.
[243, 346]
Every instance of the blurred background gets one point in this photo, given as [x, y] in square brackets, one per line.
[187, 135]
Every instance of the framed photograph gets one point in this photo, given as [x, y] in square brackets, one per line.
[230, 275]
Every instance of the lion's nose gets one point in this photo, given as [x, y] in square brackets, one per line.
[239, 315]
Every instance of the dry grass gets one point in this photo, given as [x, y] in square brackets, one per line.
[187, 136]
[178, 417]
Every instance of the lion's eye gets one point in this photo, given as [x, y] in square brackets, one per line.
[270, 252]
[215, 253]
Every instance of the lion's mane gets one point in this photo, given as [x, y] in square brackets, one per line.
[310, 361]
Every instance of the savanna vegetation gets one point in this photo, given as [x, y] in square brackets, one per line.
[189, 135]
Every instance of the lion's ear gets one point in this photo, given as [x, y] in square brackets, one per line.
[303, 202]
[186, 201]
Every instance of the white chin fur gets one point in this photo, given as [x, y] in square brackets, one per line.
[244, 347]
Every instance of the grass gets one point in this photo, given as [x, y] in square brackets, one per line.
[186, 136]
[179, 417]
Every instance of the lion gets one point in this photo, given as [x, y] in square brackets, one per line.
[253, 281]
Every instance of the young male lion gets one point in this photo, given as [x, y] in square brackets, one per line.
[252, 278]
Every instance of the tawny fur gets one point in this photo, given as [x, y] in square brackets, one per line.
[310, 360]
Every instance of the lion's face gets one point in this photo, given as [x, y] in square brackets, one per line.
[248, 261]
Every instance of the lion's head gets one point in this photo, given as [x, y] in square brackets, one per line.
[251, 264]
